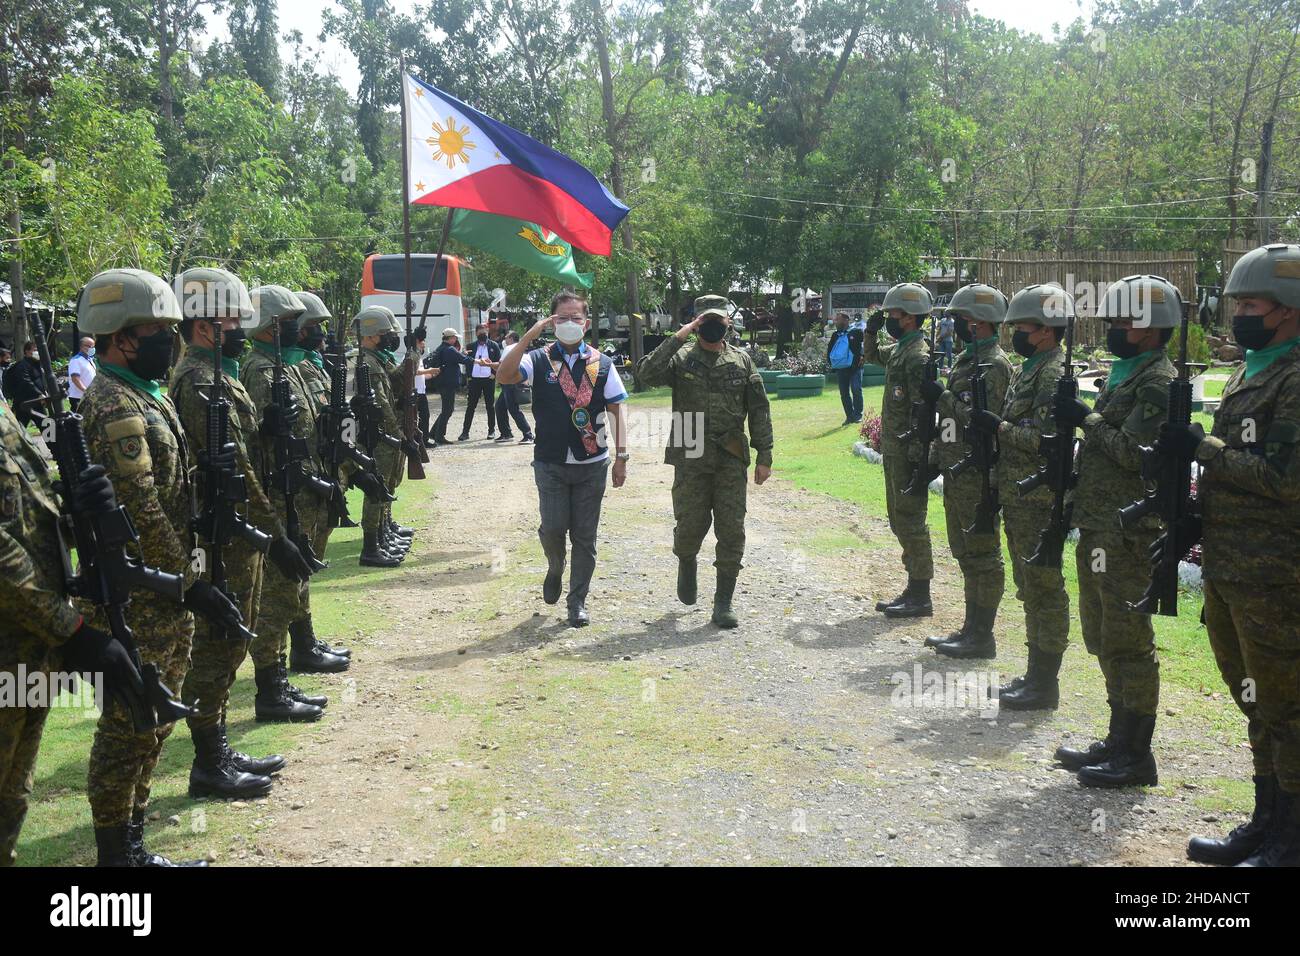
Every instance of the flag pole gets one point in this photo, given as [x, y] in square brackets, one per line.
[411, 430]
[437, 261]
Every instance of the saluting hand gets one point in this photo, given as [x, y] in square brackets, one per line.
[685, 331]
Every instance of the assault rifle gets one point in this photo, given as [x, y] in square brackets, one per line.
[106, 573]
[924, 426]
[366, 406]
[223, 488]
[1057, 471]
[1169, 495]
[983, 456]
[288, 475]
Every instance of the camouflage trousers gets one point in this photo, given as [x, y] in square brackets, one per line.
[282, 599]
[1255, 635]
[907, 518]
[978, 555]
[391, 464]
[20, 739]
[717, 498]
[1040, 590]
[1114, 570]
[215, 660]
[121, 760]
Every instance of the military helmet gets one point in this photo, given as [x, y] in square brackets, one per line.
[912, 297]
[979, 303]
[1271, 272]
[120, 298]
[1046, 304]
[275, 303]
[316, 311]
[375, 320]
[214, 294]
[1151, 302]
[707, 305]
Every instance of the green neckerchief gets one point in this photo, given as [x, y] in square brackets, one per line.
[1260, 359]
[388, 357]
[292, 355]
[1121, 369]
[314, 357]
[909, 336]
[975, 344]
[126, 375]
[228, 365]
[1036, 359]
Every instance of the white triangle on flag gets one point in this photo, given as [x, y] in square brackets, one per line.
[445, 146]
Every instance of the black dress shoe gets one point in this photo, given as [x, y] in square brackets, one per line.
[553, 585]
[526, 440]
[503, 437]
[578, 616]
[464, 437]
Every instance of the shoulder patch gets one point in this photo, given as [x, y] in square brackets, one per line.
[128, 446]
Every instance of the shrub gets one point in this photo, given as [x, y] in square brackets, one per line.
[870, 430]
[1198, 349]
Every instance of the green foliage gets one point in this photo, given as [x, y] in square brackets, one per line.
[1198, 349]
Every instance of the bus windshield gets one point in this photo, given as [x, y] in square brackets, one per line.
[390, 273]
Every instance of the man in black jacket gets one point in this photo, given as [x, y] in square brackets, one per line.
[844, 353]
[446, 363]
[24, 384]
[483, 354]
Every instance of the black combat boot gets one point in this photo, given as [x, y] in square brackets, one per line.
[881, 605]
[139, 856]
[316, 700]
[306, 657]
[372, 556]
[261, 766]
[1100, 751]
[1281, 846]
[554, 582]
[325, 648]
[687, 585]
[273, 703]
[112, 847]
[723, 615]
[1016, 683]
[1243, 840]
[934, 640]
[1131, 762]
[213, 774]
[978, 640]
[1040, 690]
[916, 601]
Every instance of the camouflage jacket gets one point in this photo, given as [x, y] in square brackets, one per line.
[385, 397]
[955, 404]
[1025, 413]
[34, 610]
[257, 372]
[718, 390]
[191, 385]
[904, 363]
[1123, 419]
[1250, 486]
[138, 437]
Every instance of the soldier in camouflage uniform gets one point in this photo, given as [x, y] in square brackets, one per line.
[208, 297]
[283, 596]
[978, 311]
[397, 537]
[307, 652]
[1039, 314]
[40, 630]
[715, 390]
[905, 307]
[1249, 490]
[133, 429]
[1112, 563]
[377, 333]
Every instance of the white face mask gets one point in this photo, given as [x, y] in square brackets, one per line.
[569, 332]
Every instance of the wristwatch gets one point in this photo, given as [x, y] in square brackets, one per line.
[621, 456]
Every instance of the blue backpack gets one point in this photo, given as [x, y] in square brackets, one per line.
[841, 354]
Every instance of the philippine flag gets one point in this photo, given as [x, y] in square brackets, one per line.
[463, 159]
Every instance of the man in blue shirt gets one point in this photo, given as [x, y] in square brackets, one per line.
[845, 356]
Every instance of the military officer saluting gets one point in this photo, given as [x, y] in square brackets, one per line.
[133, 430]
[903, 313]
[1038, 314]
[716, 389]
[1142, 313]
[1249, 490]
[978, 311]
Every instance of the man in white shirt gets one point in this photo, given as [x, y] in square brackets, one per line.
[575, 394]
[482, 382]
[81, 371]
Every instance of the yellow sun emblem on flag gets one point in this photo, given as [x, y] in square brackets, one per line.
[449, 143]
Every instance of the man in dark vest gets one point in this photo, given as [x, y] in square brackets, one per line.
[576, 393]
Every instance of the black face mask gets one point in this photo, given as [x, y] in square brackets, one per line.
[153, 355]
[893, 328]
[482, 337]
[1249, 331]
[289, 333]
[389, 341]
[314, 338]
[1119, 345]
[232, 344]
[1020, 342]
[962, 327]
[712, 330]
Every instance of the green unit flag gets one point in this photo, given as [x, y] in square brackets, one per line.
[520, 243]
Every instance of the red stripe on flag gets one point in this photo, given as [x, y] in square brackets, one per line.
[510, 191]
